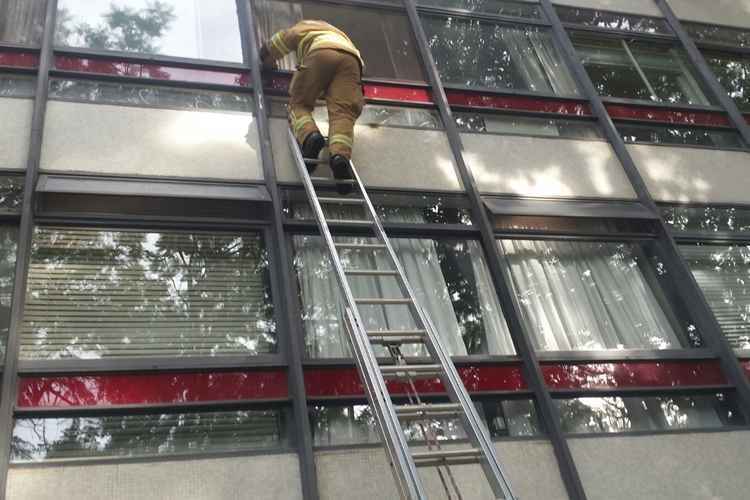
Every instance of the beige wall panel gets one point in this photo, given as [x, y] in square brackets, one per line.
[384, 157]
[531, 466]
[532, 166]
[694, 175]
[701, 466]
[261, 477]
[643, 7]
[124, 140]
[15, 130]
[729, 12]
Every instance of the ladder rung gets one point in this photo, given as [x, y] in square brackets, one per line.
[372, 246]
[315, 161]
[411, 371]
[341, 201]
[396, 340]
[396, 333]
[329, 180]
[434, 458]
[350, 221]
[383, 302]
[438, 410]
[371, 272]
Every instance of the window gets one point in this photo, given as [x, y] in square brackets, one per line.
[577, 295]
[450, 280]
[22, 21]
[612, 20]
[708, 220]
[724, 35]
[202, 29]
[638, 70]
[8, 238]
[507, 8]
[525, 125]
[124, 294]
[652, 133]
[376, 115]
[153, 434]
[733, 72]
[11, 193]
[383, 36]
[481, 54]
[617, 414]
[17, 86]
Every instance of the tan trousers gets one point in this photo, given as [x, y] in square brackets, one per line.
[336, 75]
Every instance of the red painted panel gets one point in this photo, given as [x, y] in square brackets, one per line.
[146, 388]
[519, 103]
[149, 70]
[672, 116]
[329, 381]
[746, 365]
[19, 59]
[633, 374]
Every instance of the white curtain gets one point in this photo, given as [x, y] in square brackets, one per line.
[586, 296]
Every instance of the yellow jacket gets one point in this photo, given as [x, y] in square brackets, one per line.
[308, 36]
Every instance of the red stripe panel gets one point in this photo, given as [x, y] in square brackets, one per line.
[519, 103]
[632, 374]
[157, 388]
[148, 70]
[329, 382]
[675, 116]
[746, 365]
[19, 59]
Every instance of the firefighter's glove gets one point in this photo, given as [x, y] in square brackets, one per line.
[267, 62]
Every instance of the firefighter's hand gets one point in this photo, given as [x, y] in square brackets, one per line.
[266, 61]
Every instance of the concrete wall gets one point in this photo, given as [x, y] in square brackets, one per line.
[694, 175]
[364, 474]
[384, 156]
[729, 12]
[108, 139]
[533, 166]
[705, 466]
[262, 477]
[643, 7]
[15, 130]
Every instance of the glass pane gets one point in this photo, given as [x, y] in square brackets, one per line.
[148, 96]
[733, 72]
[449, 277]
[22, 21]
[376, 115]
[11, 193]
[201, 29]
[732, 37]
[355, 424]
[689, 136]
[507, 8]
[17, 86]
[104, 294]
[8, 239]
[623, 414]
[382, 36]
[41, 439]
[708, 219]
[723, 273]
[612, 20]
[586, 296]
[525, 125]
[482, 54]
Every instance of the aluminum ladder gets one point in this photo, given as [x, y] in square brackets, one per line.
[389, 415]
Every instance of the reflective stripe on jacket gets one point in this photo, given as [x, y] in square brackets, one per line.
[308, 36]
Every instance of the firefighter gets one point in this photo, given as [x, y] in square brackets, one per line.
[329, 65]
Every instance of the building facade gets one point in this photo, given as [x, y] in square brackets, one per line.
[564, 182]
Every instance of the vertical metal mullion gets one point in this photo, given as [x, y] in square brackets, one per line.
[23, 248]
[549, 414]
[699, 62]
[675, 262]
[290, 319]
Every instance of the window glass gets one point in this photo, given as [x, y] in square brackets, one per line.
[639, 70]
[41, 439]
[11, 193]
[723, 274]
[449, 277]
[334, 424]
[22, 21]
[17, 86]
[623, 414]
[376, 115]
[507, 8]
[201, 29]
[732, 37]
[117, 294]
[482, 54]
[526, 125]
[587, 296]
[708, 219]
[8, 239]
[673, 134]
[733, 72]
[612, 20]
[148, 96]
[383, 37]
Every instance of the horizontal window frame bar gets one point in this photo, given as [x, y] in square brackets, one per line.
[537, 136]
[649, 391]
[521, 394]
[656, 432]
[728, 50]
[541, 437]
[19, 47]
[541, 235]
[515, 21]
[715, 239]
[494, 360]
[424, 231]
[500, 205]
[134, 223]
[143, 81]
[615, 356]
[490, 91]
[615, 33]
[656, 104]
[660, 124]
[375, 4]
[19, 70]
[686, 146]
[136, 57]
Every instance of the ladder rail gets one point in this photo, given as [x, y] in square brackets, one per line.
[408, 480]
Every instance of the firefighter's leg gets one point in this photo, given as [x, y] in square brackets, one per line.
[308, 84]
[345, 101]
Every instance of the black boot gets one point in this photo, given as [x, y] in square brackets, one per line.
[342, 170]
[314, 143]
